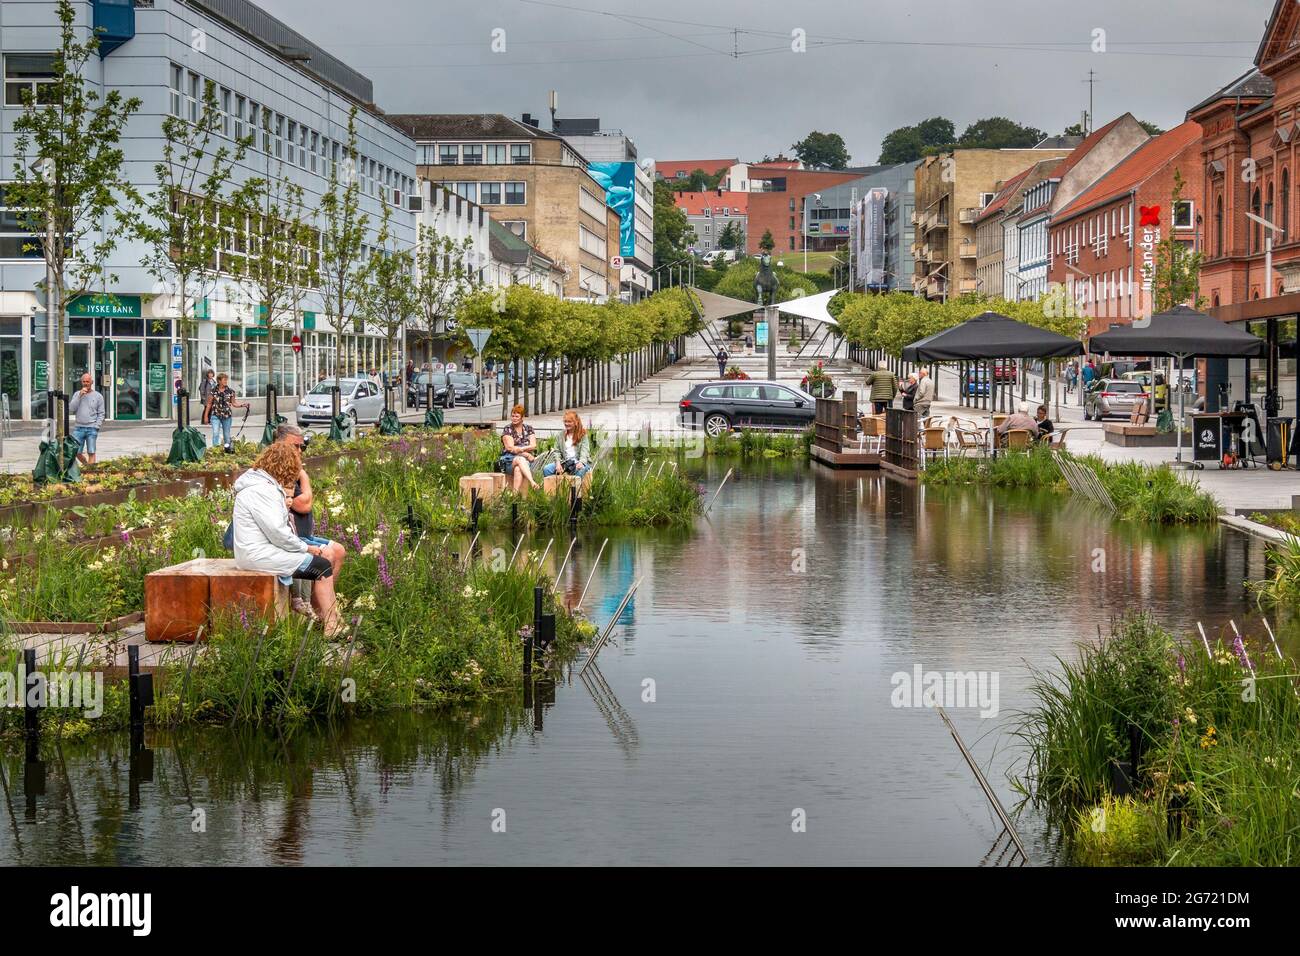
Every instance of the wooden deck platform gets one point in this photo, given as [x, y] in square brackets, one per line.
[845, 458]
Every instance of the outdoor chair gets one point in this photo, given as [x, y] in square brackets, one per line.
[1019, 438]
[871, 434]
[934, 442]
[970, 439]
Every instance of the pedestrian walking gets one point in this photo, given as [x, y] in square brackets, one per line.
[207, 385]
[722, 362]
[1089, 373]
[884, 386]
[219, 412]
[88, 407]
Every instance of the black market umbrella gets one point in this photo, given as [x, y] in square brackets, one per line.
[991, 336]
[1180, 332]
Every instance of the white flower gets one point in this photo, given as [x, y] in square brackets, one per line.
[468, 592]
[366, 602]
[372, 547]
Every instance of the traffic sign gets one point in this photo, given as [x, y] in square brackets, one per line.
[616, 262]
[296, 342]
[176, 350]
[478, 338]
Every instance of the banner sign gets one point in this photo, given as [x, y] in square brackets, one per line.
[619, 180]
[121, 306]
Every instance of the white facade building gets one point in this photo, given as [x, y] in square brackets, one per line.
[269, 81]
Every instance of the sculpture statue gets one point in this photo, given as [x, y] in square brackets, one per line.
[766, 280]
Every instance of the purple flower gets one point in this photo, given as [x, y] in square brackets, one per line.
[525, 632]
[126, 535]
[401, 537]
[356, 541]
[1239, 648]
[384, 577]
[1182, 665]
[383, 527]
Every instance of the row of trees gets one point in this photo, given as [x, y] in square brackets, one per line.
[583, 339]
[258, 241]
[938, 134]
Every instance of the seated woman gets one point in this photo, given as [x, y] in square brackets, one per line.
[264, 535]
[1045, 426]
[574, 447]
[519, 448]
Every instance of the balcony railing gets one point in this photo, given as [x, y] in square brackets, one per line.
[966, 249]
[968, 215]
[934, 286]
[968, 285]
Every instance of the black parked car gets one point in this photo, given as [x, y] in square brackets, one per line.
[467, 385]
[720, 406]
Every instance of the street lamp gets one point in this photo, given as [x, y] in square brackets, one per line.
[1268, 253]
[818, 198]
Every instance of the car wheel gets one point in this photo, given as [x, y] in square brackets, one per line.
[716, 424]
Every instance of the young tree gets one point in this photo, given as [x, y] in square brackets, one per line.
[282, 260]
[767, 243]
[68, 181]
[670, 226]
[1176, 275]
[343, 273]
[390, 296]
[189, 217]
[444, 277]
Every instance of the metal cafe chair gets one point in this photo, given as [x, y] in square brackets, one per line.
[872, 432]
[1019, 438]
[934, 442]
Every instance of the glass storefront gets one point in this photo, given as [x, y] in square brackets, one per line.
[11, 364]
[1257, 377]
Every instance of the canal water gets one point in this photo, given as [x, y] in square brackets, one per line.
[748, 694]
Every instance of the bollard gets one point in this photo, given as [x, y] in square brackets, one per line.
[514, 515]
[528, 660]
[546, 633]
[31, 708]
[141, 687]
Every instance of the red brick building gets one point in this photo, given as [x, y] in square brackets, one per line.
[1101, 243]
[779, 205]
[682, 168]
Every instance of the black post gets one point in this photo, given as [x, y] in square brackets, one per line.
[428, 393]
[31, 712]
[514, 515]
[141, 688]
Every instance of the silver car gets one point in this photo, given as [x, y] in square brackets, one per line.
[1112, 396]
[361, 399]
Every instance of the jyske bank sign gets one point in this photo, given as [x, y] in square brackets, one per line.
[118, 306]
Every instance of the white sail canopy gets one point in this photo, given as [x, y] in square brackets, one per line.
[812, 307]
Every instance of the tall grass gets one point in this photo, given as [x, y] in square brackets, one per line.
[1141, 492]
[1220, 753]
[1281, 585]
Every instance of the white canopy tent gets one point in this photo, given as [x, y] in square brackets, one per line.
[815, 308]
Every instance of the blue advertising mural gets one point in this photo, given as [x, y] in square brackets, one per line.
[620, 195]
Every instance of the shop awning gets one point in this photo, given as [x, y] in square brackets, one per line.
[991, 336]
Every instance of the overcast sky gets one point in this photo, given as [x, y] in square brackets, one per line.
[664, 72]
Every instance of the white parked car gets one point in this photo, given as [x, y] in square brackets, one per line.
[360, 399]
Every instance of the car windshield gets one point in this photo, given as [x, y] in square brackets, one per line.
[1123, 387]
[464, 378]
[327, 386]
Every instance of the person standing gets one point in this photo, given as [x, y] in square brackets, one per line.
[924, 394]
[722, 362]
[908, 391]
[884, 386]
[207, 385]
[219, 411]
[1089, 373]
[88, 407]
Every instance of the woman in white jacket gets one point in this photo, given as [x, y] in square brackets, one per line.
[265, 539]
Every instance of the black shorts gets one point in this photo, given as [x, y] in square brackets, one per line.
[318, 568]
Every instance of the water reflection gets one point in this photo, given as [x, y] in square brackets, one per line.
[769, 634]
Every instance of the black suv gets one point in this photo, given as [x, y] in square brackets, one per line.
[720, 406]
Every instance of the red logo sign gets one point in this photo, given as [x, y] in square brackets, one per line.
[1150, 216]
[297, 343]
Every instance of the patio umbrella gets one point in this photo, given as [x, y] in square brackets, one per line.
[1180, 332]
[991, 336]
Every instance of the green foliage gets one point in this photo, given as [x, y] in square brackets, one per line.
[1281, 586]
[1220, 749]
[344, 271]
[822, 151]
[909, 143]
[767, 243]
[1176, 274]
[998, 132]
[739, 281]
[670, 225]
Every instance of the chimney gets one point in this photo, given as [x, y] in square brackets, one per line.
[530, 120]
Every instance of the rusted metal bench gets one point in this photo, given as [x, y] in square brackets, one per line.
[179, 600]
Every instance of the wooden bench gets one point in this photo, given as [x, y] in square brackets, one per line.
[488, 484]
[554, 483]
[179, 599]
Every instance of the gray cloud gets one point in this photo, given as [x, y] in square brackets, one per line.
[686, 96]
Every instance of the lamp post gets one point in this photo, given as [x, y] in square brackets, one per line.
[818, 198]
[1271, 404]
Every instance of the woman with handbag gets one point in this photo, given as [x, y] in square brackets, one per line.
[217, 410]
[574, 447]
[518, 449]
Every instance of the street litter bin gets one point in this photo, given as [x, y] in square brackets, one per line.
[1278, 442]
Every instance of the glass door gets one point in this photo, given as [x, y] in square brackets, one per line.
[76, 363]
[128, 380]
[157, 382]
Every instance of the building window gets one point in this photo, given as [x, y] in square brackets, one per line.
[448, 155]
[178, 80]
[1254, 232]
[515, 194]
[471, 155]
[279, 136]
[1286, 205]
[302, 146]
[1218, 225]
[489, 194]
[293, 143]
[521, 152]
[495, 154]
[193, 98]
[29, 76]
[1182, 217]
[239, 117]
[466, 190]
[225, 112]
[16, 239]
